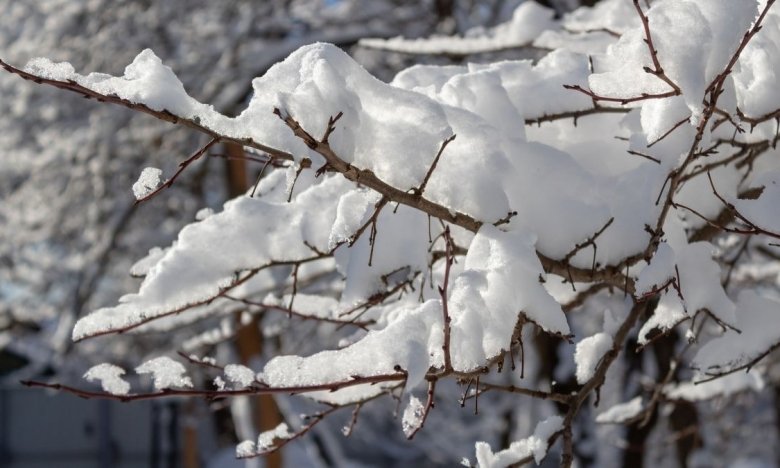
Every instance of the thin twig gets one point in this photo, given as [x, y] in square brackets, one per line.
[182, 166]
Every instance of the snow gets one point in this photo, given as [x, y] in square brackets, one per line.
[534, 446]
[528, 21]
[658, 272]
[353, 209]
[147, 182]
[402, 242]
[412, 340]
[110, 378]
[499, 282]
[166, 373]
[266, 440]
[723, 386]
[756, 76]
[667, 314]
[732, 349]
[564, 181]
[694, 42]
[309, 305]
[240, 376]
[207, 254]
[246, 449]
[621, 413]
[763, 211]
[589, 353]
[413, 415]
[142, 266]
[615, 15]
[533, 89]
[699, 283]
[146, 80]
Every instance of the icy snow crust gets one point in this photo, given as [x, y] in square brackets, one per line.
[490, 169]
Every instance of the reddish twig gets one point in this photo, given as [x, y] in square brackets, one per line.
[448, 259]
[669, 132]
[428, 407]
[182, 166]
[622, 100]
[657, 69]
[295, 313]
[421, 189]
[214, 394]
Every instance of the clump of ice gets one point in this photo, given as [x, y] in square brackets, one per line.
[413, 416]
[166, 373]
[110, 377]
[147, 182]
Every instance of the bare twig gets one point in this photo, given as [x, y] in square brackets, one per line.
[657, 69]
[214, 394]
[295, 313]
[421, 189]
[444, 306]
[182, 166]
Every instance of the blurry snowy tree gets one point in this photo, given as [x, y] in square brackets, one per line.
[573, 255]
